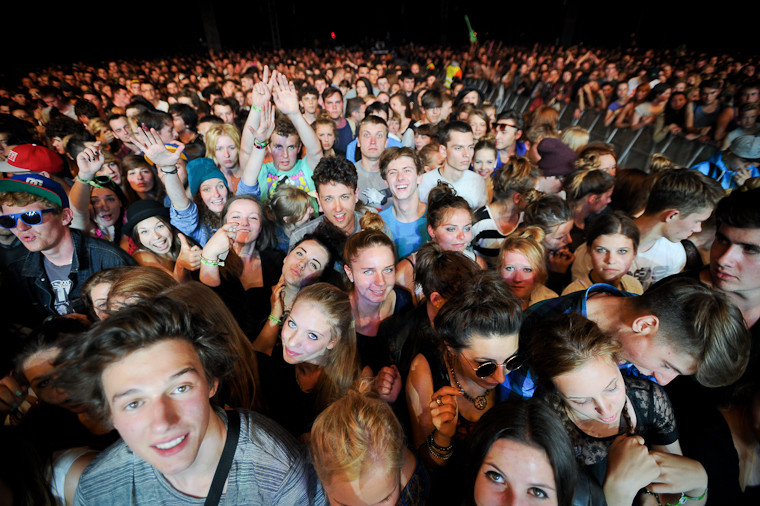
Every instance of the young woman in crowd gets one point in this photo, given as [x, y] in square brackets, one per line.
[483, 163]
[512, 183]
[142, 180]
[449, 389]
[612, 240]
[623, 428]
[241, 256]
[449, 224]
[371, 271]
[223, 147]
[522, 264]
[159, 244]
[328, 134]
[315, 363]
[400, 104]
[518, 453]
[97, 202]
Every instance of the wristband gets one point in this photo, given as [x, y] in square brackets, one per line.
[274, 320]
[684, 498]
[85, 181]
[169, 171]
[212, 263]
[256, 108]
[260, 145]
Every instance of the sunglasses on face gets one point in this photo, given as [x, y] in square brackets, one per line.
[485, 369]
[29, 217]
[503, 126]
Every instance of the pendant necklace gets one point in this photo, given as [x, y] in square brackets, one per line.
[481, 401]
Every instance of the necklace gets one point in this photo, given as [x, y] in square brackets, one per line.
[481, 401]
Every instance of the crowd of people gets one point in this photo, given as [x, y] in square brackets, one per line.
[345, 277]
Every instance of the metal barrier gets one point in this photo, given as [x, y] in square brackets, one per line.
[634, 148]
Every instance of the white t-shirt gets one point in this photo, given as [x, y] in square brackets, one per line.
[470, 186]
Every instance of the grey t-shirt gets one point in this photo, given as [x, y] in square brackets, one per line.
[269, 467]
[58, 275]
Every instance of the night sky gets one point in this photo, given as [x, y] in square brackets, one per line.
[83, 31]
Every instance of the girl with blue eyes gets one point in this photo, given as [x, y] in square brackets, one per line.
[612, 240]
[449, 219]
[623, 428]
[518, 453]
[315, 362]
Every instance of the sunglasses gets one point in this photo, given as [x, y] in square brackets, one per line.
[485, 369]
[29, 217]
[503, 126]
[99, 181]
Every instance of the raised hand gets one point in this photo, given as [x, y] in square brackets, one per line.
[285, 95]
[262, 91]
[89, 161]
[266, 123]
[153, 147]
[444, 411]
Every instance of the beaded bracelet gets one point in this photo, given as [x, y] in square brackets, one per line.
[439, 452]
[212, 263]
[431, 440]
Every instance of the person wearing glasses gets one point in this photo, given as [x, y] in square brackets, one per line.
[47, 280]
[449, 389]
[508, 130]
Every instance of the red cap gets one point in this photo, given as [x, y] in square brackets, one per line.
[31, 157]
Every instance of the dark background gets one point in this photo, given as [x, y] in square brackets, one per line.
[92, 31]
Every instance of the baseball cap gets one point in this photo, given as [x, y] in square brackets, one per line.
[36, 185]
[32, 157]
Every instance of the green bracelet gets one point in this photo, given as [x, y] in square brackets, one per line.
[260, 145]
[85, 181]
[212, 263]
[274, 320]
[256, 108]
[684, 498]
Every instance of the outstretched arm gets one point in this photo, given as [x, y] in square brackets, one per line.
[153, 147]
[262, 92]
[260, 137]
[89, 161]
[286, 99]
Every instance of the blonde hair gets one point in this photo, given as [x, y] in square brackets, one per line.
[213, 135]
[575, 137]
[518, 175]
[286, 205]
[357, 432]
[341, 366]
[529, 242]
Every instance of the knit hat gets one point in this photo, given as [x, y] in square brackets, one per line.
[34, 158]
[557, 158]
[200, 170]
